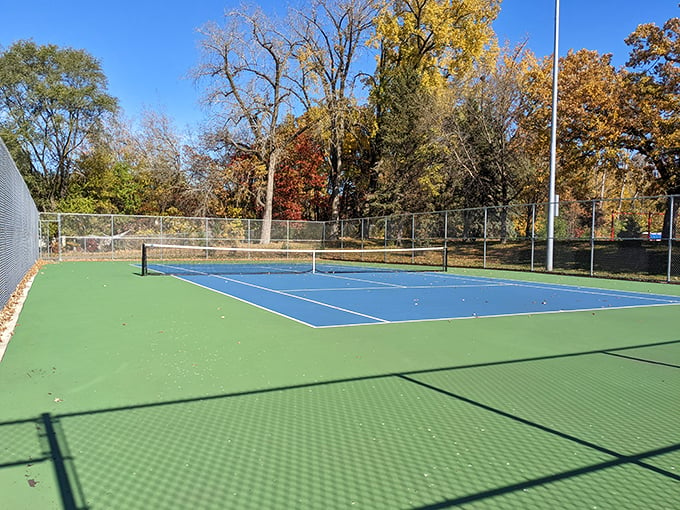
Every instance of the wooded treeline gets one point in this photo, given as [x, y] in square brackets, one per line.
[350, 108]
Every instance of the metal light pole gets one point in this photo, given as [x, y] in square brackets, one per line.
[553, 145]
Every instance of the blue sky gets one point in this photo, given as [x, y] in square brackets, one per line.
[147, 47]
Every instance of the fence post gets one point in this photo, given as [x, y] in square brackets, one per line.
[533, 234]
[112, 249]
[486, 209]
[592, 240]
[362, 233]
[670, 236]
[59, 235]
[413, 236]
[205, 234]
[385, 253]
[342, 234]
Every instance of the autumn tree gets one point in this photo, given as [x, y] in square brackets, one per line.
[424, 46]
[103, 182]
[591, 161]
[652, 101]
[332, 35]
[246, 62]
[158, 155]
[51, 101]
[300, 181]
[440, 39]
[207, 181]
[359, 157]
[483, 135]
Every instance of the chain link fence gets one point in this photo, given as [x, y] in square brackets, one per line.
[18, 227]
[625, 238]
[621, 238]
[68, 236]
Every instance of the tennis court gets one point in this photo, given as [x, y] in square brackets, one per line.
[321, 300]
[328, 288]
[212, 391]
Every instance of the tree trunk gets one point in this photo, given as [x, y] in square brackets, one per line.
[335, 153]
[266, 234]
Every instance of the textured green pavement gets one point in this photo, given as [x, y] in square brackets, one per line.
[123, 392]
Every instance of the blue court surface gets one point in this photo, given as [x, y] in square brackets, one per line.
[330, 300]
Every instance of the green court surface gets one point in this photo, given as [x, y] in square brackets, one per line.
[124, 392]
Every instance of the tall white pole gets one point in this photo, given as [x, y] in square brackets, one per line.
[553, 145]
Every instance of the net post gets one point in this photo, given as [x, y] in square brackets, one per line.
[446, 256]
[144, 260]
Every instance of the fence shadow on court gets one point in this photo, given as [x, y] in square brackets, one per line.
[330, 443]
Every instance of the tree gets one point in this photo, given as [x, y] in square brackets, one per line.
[439, 38]
[652, 107]
[359, 157]
[410, 153]
[247, 62]
[485, 141]
[591, 161]
[158, 155]
[652, 102]
[300, 183]
[51, 101]
[424, 46]
[205, 173]
[103, 184]
[331, 36]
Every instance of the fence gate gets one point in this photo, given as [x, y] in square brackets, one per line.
[49, 234]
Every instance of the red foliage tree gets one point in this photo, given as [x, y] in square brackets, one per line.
[300, 182]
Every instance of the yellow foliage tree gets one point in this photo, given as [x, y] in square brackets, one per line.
[438, 38]
[590, 159]
[424, 46]
[652, 115]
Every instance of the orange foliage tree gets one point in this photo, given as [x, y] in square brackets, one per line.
[300, 181]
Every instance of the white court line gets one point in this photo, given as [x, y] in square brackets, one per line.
[497, 282]
[499, 315]
[570, 288]
[276, 292]
[331, 289]
[365, 280]
[249, 302]
[282, 293]
[603, 292]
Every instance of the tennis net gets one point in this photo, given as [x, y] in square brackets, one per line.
[160, 259]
